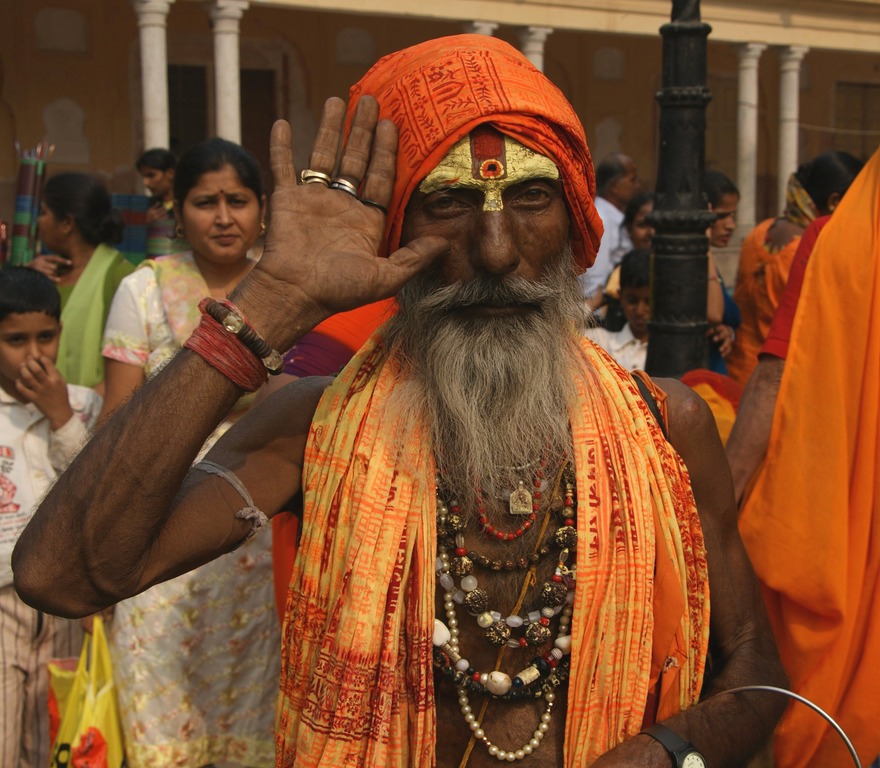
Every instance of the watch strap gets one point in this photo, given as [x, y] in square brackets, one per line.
[674, 744]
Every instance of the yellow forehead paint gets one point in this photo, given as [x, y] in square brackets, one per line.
[488, 161]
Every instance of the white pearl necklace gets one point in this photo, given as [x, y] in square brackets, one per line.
[511, 755]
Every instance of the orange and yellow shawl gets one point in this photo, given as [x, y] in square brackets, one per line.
[357, 684]
[812, 521]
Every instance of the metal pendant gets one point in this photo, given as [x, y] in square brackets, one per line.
[521, 501]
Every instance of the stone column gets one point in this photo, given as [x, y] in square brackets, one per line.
[531, 43]
[480, 28]
[789, 111]
[152, 18]
[225, 16]
[747, 135]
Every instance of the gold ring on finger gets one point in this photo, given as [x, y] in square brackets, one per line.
[308, 176]
[344, 185]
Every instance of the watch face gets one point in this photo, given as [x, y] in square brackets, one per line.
[693, 760]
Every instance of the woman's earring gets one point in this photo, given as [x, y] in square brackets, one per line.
[262, 228]
[178, 232]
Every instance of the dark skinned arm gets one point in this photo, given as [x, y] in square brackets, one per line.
[747, 445]
[726, 729]
[118, 520]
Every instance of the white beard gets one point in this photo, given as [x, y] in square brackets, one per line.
[494, 390]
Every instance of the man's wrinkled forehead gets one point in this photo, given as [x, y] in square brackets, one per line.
[490, 162]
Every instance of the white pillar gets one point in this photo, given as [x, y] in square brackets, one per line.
[789, 111]
[152, 18]
[531, 43]
[747, 135]
[480, 28]
[225, 15]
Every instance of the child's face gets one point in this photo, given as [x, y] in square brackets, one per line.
[636, 306]
[24, 335]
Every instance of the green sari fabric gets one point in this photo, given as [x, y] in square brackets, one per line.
[84, 309]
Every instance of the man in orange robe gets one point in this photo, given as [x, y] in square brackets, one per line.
[503, 556]
[811, 518]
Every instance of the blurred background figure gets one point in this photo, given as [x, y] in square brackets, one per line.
[617, 182]
[196, 658]
[79, 226]
[722, 313]
[629, 345]
[815, 189]
[641, 235]
[157, 167]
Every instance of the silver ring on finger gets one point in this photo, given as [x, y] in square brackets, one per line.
[374, 204]
[308, 176]
[344, 185]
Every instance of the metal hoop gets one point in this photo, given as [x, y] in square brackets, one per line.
[344, 186]
[374, 204]
[803, 700]
[308, 176]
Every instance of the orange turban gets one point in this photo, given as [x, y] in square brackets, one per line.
[439, 91]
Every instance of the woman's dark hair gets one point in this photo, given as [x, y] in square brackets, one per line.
[212, 155]
[634, 206]
[25, 290]
[157, 159]
[716, 185]
[829, 173]
[87, 201]
[635, 269]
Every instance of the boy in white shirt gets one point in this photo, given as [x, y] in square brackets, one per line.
[43, 424]
[629, 345]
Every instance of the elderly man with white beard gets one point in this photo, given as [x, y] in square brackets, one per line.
[503, 557]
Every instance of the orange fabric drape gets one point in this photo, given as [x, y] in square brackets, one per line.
[760, 282]
[357, 682]
[439, 91]
[352, 329]
[812, 521]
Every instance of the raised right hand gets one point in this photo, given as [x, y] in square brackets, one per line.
[322, 245]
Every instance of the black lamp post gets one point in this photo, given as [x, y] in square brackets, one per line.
[678, 327]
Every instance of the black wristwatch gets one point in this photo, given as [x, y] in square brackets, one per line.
[683, 752]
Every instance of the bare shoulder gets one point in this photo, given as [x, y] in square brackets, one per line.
[690, 418]
[694, 436]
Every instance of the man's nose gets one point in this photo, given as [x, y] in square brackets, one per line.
[494, 251]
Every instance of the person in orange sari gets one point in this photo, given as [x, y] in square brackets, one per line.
[767, 252]
[503, 556]
[811, 515]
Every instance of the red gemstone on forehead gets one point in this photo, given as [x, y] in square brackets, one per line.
[487, 146]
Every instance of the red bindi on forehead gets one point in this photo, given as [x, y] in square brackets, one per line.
[488, 153]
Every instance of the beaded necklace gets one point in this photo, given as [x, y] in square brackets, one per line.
[548, 670]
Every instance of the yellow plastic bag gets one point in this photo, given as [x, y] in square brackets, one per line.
[90, 735]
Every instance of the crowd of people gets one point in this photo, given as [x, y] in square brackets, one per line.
[493, 537]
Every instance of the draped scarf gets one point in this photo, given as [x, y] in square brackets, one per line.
[83, 317]
[357, 685]
[811, 523]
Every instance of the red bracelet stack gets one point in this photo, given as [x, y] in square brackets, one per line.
[227, 342]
